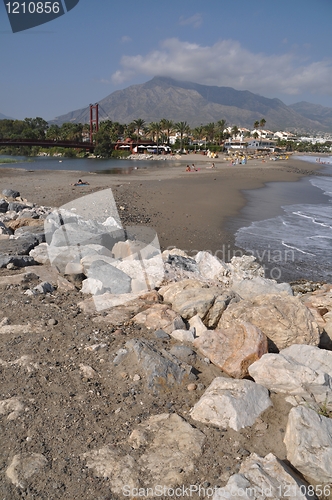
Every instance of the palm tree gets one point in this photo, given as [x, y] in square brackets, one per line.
[221, 125]
[262, 123]
[182, 128]
[210, 130]
[139, 124]
[235, 131]
[256, 124]
[167, 126]
[155, 129]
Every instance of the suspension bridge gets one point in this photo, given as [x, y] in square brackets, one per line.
[51, 143]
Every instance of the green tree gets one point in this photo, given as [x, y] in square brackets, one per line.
[256, 124]
[262, 123]
[155, 130]
[182, 128]
[167, 127]
[235, 131]
[139, 124]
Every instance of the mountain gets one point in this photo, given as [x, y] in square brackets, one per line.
[197, 104]
[4, 117]
[314, 112]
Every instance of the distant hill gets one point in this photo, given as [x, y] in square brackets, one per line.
[4, 117]
[197, 104]
[314, 112]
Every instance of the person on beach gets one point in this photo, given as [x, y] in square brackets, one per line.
[188, 169]
[80, 183]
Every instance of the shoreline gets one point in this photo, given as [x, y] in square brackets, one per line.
[188, 210]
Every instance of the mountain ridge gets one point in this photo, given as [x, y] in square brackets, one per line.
[164, 97]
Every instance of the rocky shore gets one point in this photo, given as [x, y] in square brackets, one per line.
[131, 372]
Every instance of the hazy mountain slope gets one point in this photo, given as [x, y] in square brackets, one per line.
[197, 104]
[4, 117]
[314, 112]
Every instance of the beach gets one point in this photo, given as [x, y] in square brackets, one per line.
[188, 210]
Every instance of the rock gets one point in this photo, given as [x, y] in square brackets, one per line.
[19, 246]
[231, 403]
[132, 250]
[24, 466]
[308, 441]
[119, 469]
[181, 262]
[170, 446]
[161, 369]
[250, 288]
[196, 323]
[171, 290]
[222, 300]
[211, 267]
[3, 206]
[74, 268]
[10, 193]
[183, 353]
[87, 371]
[183, 335]
[12, 406]
[16, 206]
[44, 287]
[233, 349]
[161, 334]
[299, 370]
[92, 286]
[166, 448]
[158, 316]
[40, 253]
[17, 260]
[194, 301]
[284, 320]
[260, 478]
[245, 267]
[112, 279]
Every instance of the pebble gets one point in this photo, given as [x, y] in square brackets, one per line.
[136, 378]
[192, 387]
[52, 322]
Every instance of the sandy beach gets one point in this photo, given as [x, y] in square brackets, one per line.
[189, 210]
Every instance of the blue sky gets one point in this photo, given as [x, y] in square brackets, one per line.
[273, 48]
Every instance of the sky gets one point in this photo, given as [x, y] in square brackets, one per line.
[277, 49]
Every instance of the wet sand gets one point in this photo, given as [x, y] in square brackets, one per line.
[189, 210]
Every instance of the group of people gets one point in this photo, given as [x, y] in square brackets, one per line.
[192, 168]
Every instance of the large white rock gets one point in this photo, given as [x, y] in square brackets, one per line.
[317, 359]
[166, 448]
[171, 290]
[261, 478]
[40, 253]
[250, 288]
[245, 267]
[285, 374]
[231, 403]
[283, 319]
[308, 440]
[211, 267]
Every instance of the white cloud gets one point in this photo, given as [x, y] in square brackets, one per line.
[195, 20]
[227, 63]
[125, 39]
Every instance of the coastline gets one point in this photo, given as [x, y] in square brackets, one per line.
[189, 210]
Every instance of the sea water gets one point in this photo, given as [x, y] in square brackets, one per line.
[295, 243]
[96, 165]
